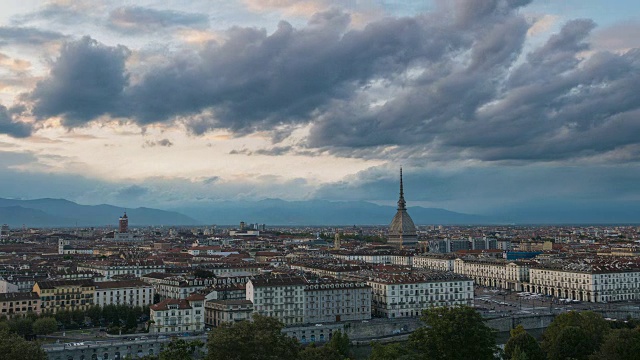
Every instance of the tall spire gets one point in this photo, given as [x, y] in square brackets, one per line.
[401, 203]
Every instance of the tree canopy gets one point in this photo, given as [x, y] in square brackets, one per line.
[576, 334]
[623, 344]
[454, 333]
[522, 345]
[14, 347]
[260, 339]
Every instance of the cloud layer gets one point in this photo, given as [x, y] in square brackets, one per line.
[455, 83]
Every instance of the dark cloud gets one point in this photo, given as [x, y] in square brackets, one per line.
[85, 82]
[162, 142]
[27, 36]
[455, 83]
[136, 19]
[12, 127]
[131, 192]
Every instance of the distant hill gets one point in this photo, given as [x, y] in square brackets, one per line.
[60, 213]
[319, 212]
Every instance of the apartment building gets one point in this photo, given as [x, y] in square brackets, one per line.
[177, 315]
[407, 294]
[108, 269]
[58, 295]
[327, 300]
[598, 281]
[440, 262]
[498, 273]
[177, 286]
[217, 312]
[19, 304]
[127, 292]
[279, 296]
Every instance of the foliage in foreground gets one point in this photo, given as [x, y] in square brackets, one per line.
[14, 347]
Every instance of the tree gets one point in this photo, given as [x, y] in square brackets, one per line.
[21, 326]
[179, 349]
[572, 342]
[526, 345]
[340, 343]
[313, 352]
[623, 344]
[457, 332]
[390, 352]
[45, 326]
[15, 347]
[258, 339]
[592, 324]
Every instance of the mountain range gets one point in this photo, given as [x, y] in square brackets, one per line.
[65, 213]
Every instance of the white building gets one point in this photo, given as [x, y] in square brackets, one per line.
[407, 295]
[334, 301]
[434, 262]
[177, 315]
[279, 296]
[608, 281]
[127, 292]
[108, 269]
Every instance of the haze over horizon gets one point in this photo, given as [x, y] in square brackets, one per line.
[490, 106]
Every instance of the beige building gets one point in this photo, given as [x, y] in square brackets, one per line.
[57, 295]
[19, 304]
[435, 262]
[498, 273]
[217, 312]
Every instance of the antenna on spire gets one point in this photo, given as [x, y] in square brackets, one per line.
[401, 202]
[401, 187]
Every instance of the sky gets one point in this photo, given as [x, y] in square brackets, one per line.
[486, 104]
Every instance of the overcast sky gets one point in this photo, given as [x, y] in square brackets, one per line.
[485, 103]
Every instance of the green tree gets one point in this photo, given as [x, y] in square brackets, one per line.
[623, 344]
[15, 347]
[390, 352]
[179, 349]
[21, 326]
[340, 343]
[45, 326]
[526, 344]
[453, 333]
[573, 343]
[257, 340]
[594, 326]
[313, 352]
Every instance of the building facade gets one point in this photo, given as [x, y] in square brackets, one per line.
[17, 304]
[127, 292]
[217, 312]
[279, 296]
[177, 315]
[509, 275]
[334, 301]
[58, 295]
[396, 296]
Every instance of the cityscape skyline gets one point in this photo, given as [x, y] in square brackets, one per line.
[487, 105]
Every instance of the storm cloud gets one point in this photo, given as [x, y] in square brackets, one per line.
[85, 82]
[454, 83]
[11, 127]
